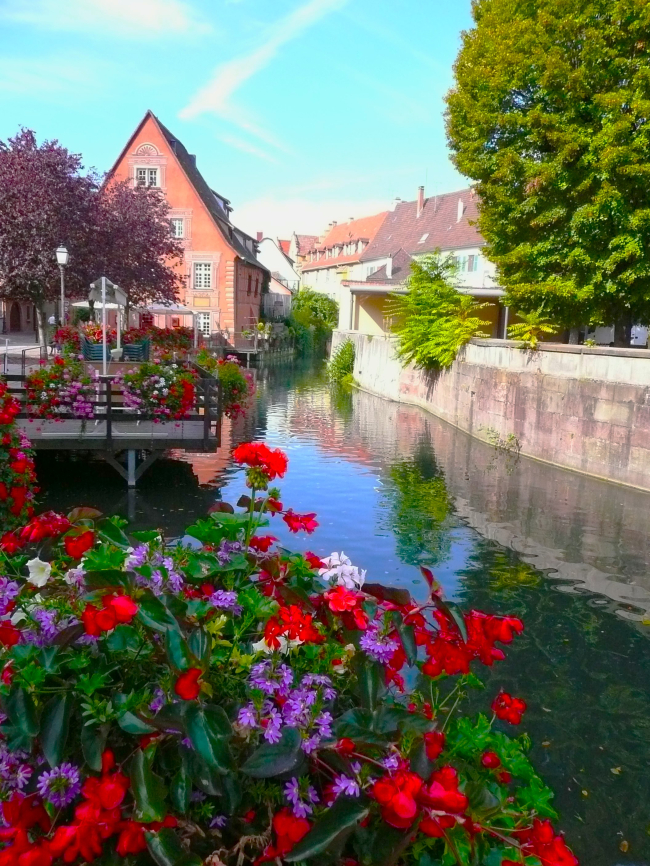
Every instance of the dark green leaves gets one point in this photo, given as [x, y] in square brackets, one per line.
[130, 723]
[93, 743]
[178, 652]
[407, 637]
[153, 613]
[180, 790]
[274, 759]
[208, 729]
[55, 726]
[109, 530]
[148, 788]
[22, 712]
[344, 814]
[166, 849]
[370, 681]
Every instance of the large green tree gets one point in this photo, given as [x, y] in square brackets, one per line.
[550, 115]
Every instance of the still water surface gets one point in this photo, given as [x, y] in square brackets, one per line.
[394, 488]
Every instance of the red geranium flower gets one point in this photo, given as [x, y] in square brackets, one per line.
[541, 841]
[434, 743]
[396, 795]
[11, 543]
[490, 760]
[187, 685]
[262, 542]
[296, 522]
[442, 792]
[289, 830]
[509, 709]
[313, 560]
[272, 461]
[77, 545]
[341, 599]
[9, 634]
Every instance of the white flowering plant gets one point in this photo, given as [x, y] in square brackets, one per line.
[222, 700]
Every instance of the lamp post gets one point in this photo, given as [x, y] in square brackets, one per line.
[62, 256]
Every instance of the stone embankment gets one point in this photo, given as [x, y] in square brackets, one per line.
[577, 407]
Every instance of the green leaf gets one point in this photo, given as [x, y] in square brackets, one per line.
[22, 711]
[370, 681]
[108, 577]
[153, 613]
[180, 790]
[205, 727]
[407, 637]
[345, 813]
[199, 644]
[358, 726]
[124, 637]
[274, 759]
[111, 532]
[93, 743]
[166, 849]
[388, 593]
[148, 789]
[55, 726]
[83, 513]
[130, 723]
[48, 658]
[145, 536]
[178, 651]
[205, 778]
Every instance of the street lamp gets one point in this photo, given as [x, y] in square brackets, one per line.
[62, 256]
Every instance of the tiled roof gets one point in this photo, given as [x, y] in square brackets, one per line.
[284, 246]
[306, 243]
[437, 227]
[401, 270]
[355, 230]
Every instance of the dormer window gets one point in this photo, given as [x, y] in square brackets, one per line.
[423, 238]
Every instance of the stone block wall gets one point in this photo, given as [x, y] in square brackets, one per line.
[581, 408]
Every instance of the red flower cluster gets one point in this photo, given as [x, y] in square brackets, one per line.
[9, 406]
[262, 543]
[116, 609]
[23, 813]
[296, 522]
[289, 830]
[434, 743]
[291, 623]
[508, 709]
[314, 561]
[348, 604]
[17, 476]
[77, 545]
[187, 686]
[541, 841]
[46, 525]
[397, 795]
[256, 455]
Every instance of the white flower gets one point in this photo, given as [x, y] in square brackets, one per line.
[285, 645]
[39, 572]
[340, 571]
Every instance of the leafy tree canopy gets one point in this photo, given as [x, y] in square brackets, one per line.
[550, 117]
[432, 319]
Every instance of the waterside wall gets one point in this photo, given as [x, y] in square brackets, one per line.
[580, 408]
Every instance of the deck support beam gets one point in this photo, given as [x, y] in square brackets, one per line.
[131, 473]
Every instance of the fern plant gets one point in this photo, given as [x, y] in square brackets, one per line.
[432, 320]
[531, 328]
[341, 365]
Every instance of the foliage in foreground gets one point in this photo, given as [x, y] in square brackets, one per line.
[532, 326]
[227, 701]
[341, 365]
[432, 320]
[549, 116]
[313, 317]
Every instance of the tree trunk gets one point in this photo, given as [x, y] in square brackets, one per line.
[623, 332]
[574, 336]
[42, 326]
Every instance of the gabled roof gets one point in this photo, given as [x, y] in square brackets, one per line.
[363, 229]
[216, 205]
[437, 227]
[401, 270]
[284, 246]
[306, 243]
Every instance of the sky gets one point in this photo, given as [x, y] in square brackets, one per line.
[299, 111]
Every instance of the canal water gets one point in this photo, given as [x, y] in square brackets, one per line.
[394, 488]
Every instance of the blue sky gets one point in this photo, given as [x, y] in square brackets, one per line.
[299, 111]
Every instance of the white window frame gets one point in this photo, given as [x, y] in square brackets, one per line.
[203, 323]
[178, 222]
[199, 271]
[150, 173]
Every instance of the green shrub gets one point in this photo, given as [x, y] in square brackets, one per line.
[312, 320]
[432, 320]
[341, 365]
[530, 329]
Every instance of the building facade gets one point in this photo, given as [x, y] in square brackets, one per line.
[300, 247]
[273, 254]
[222, 279]
[412, 229]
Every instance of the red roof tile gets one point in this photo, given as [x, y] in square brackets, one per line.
[306, 243]
[330, 263]
[437, 227]
[355, 230]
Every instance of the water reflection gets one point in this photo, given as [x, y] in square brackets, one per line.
[396, 488]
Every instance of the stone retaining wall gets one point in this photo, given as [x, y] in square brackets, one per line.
[582, 408]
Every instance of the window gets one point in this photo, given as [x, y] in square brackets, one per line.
[146, 176]
[203, 323]
[423, 238]
[202, 275]
[257, 284]
[472, 264]
[178, 228]
[250, 282]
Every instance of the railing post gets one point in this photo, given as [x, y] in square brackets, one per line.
[108, 385]
[206, 413]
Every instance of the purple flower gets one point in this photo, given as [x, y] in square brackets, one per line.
[9, 589]
[247, 717]
[226, 548]
[301, 801]
[61, 785]
[272, 730]
[391, 762]
[378, 646]
[272, 678]
[345, 785]
[218, 821]
[224, 600]
[158, 702]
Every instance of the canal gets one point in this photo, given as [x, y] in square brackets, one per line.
[395, 488]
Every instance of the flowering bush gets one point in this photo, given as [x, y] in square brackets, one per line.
[162, 390]
[229, 702]
[69, 340]
[237, 385]
[61, 387]
[17, 478]
[93, 332]
[171, 339]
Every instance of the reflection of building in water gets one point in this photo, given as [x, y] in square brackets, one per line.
[580, 529]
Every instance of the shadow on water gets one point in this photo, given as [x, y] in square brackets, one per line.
[396, 488]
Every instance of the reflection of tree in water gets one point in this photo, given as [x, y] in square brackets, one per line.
[420, 509]
[583, 672]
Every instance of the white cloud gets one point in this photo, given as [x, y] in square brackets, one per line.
[279, 217]
[246, 147]
[215, 96]
[46, 78]
[140, 19]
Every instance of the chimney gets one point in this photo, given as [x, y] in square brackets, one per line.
[420, 203]
[461, 210]
[260, 235]
[334, 223]
[389, 268]
[395, 202]
[192, 157]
